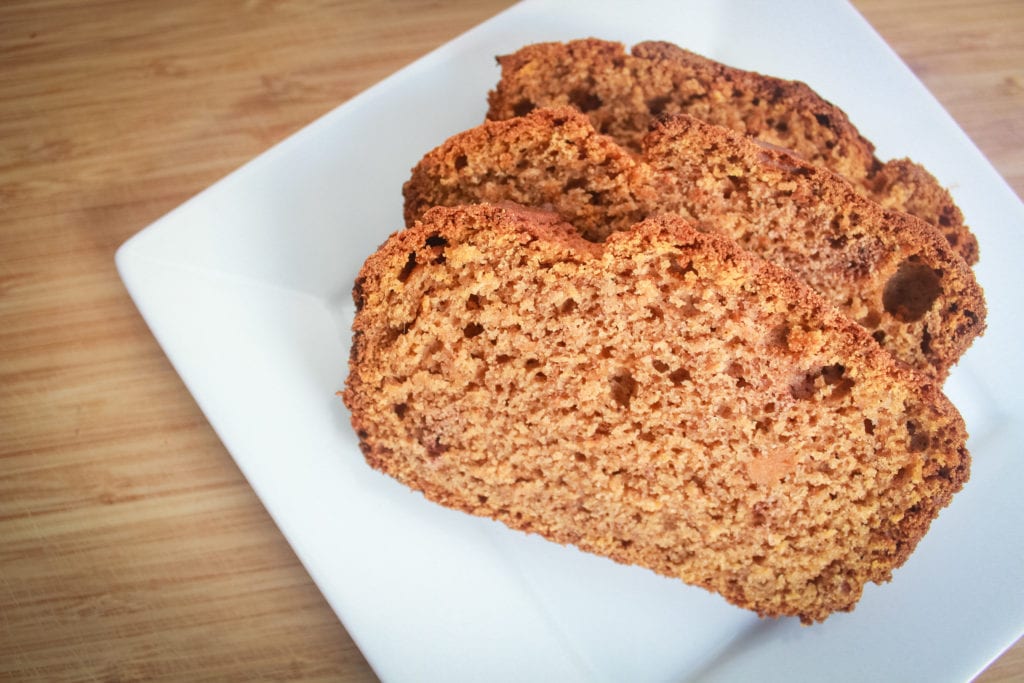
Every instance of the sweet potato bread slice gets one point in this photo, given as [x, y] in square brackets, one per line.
[664, 399]
[551, 158]
[624, 94]
[889, 271]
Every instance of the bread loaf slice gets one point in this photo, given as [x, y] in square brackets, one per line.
[664, 399]
[624, 93]
[889, 271]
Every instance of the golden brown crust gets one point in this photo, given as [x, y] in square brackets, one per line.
[625, 93]
[902, 185]
[891, 272]
[664, 399]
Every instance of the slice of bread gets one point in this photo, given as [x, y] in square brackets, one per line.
[664, 399]
[889, 271]
[624, 93]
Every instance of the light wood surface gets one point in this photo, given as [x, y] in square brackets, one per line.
[131, 548]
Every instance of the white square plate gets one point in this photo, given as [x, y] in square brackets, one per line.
[247, 285]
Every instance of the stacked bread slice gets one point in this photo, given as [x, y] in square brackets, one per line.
[623, 93]
[683, 350]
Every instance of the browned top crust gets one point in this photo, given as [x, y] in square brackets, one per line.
[664, 399]
[623, 94]
[889, 271]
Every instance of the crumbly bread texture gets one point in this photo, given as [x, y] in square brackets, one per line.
[889, 271]
[624, 93]
[664, 399]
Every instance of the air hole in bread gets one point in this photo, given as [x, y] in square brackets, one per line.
[574, 184]
[736, 371]
[837, 242]
[656, 105]
[918, 441]
[779, 336]
[400, 410]
[461, 162]
[660, 366]
[472, 330]
[841, 389]
[436, 244]
[832, 374]
[435, 448]
[679, 270]
[926, 341]
[871, 320]
[911, 291]
[679, 375]
[805, 386]
[410, 265]
[568, 306]
[738, 184]
[623, 387]
[869, 426]
[523, 107]
[393, 333]
[531, 364]
[903, 476]
[584, 100]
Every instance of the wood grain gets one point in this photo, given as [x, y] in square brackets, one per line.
[131, 547]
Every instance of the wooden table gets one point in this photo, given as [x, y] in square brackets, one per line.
[130, 546]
